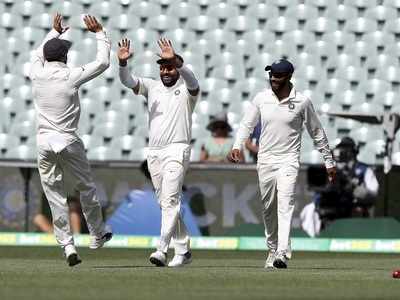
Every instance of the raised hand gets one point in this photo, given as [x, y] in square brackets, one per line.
[167, 52]
[57, 24]
[92, 24]
[124, 50]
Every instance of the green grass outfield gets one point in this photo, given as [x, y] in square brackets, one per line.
[41, 273]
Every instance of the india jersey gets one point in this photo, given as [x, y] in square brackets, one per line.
[170, 112]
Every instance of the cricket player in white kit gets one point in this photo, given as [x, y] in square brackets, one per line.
[283, 112]
[171, 102]
[60, 150]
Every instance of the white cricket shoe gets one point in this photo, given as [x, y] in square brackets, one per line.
[269, 263]
[97, 242]
[180, 260]
[71, 255]
[158, 258]
[280, 261]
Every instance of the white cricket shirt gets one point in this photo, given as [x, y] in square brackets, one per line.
[170, 112]
[55, 92]
[282, 125]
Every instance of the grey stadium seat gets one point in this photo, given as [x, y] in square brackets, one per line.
[27, 8]
[183, 10]
[162, 23]
[145, 9]
[68, 8]
[321, 25]
[106, 10]
[220, 36]
[23, 152]
[229, 72]
[104, 153]
[222, 11]
[262, 11]
[123, 22]
[361, 4]
[361, 26]
[110, 130]
[241, 24]
[280, 25]
[10, 21]
[341, 13]
[91, 141]
[202, 23]
[7, 141]
[301, 12]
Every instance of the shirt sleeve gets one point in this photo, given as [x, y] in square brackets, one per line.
[91, 70]
[317, 133]
[249, 121]
[145, 84]
[37, 60]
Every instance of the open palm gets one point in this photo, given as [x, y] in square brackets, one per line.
[167, 52]
[124, 50]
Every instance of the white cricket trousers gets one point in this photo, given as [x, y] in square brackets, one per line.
[167, 166]
[277, 181]
[53, 168]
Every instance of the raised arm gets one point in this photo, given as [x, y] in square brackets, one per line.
[37, 60]
[318, 135]
[168, 53]
[102, 61]
[124, 54]
[249, 121]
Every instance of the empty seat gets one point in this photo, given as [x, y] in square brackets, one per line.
[229, 72]
[251, 86]
[180, 37]
[243, 48]
[29, 34]
[23, 152]
[332, 86]
[322, 5]
[91, 106]
[11, 21]
[373, 88]
[104, 153]
[389, 73]
[162, 23]
[15, 45]
[393, 26]
[69, 9]
[91, 141]
[280, 49]
[311, 74]
[104, 95]
[27, 8]
[202, 23]
[119, 118]
[12, 106]
[381, 13]
[367, 133]
[106, 9]
[128, 143]
[341, 13]
[339, 38]
[299, 37]
[144, 36]
[23, 129]
[361, 49]
[353, 74]
[183, 10]
[241, 24]
[44, 21]
[348, 98]
[321, 49]
[205, 47]
[208, 107]
[123, 22]
[280, 25]
[304, 59]
[220, 36]
[361, 4]
[138, 154]
[224, 58]
[110, 129]
[145, 9]
[210, 84]
[301, 12]
[321, 25]
[342, 61]
[226, 95]
[222, 11]
[258, 37]
[361, 26]
[7, 141]
[262, 11]
[149, 70]
[391, 3]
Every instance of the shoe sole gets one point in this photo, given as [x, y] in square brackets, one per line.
[280, 264]
[157, 262]
[73, 260]
[108, 236]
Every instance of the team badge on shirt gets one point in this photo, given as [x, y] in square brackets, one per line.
[177, 92]
[291, 106]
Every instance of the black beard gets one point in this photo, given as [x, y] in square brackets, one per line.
[170, 83]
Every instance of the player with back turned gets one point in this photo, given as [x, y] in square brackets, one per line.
[60, 150]
[171, 102]
[283, 112]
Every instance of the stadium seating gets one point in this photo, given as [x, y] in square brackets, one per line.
[346, 56]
